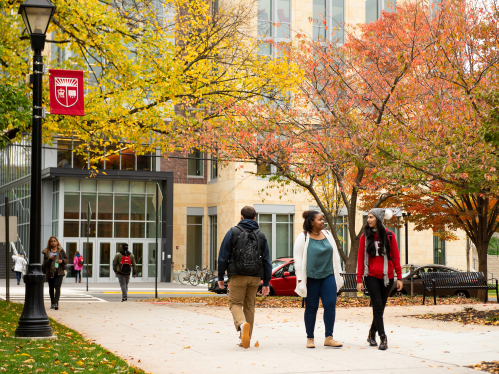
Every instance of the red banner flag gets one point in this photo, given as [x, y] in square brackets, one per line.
[66, 92]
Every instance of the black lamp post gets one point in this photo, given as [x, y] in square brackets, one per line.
[34, 321]
[406, 215]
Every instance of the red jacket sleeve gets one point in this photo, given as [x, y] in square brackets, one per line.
[360, 259]
[395, 254]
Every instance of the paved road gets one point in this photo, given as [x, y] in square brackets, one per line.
[111, 291]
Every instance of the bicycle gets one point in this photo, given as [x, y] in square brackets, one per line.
[183, 276]
[201, 276]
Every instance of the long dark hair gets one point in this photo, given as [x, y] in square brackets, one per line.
[384, 243]
[309, 216]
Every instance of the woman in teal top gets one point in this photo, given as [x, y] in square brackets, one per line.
[319, 275]
[319, 259]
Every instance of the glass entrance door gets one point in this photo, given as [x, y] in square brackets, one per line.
[71, 247]
[138, 253]
[105, 261]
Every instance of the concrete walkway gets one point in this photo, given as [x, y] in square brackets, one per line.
[178, 338]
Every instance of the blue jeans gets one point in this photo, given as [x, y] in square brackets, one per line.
[18, 275]
[326, 290]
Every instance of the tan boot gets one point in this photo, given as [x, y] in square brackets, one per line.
[330, 342]
[310, 343]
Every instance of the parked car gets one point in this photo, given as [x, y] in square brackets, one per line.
[283, 282]
[413, 271]
[213, 285]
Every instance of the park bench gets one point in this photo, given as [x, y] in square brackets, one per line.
[349, 285]
[433, 281]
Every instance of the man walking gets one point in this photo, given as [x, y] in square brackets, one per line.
[244, 254]
[122, 266]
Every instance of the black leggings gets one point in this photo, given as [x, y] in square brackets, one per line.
[55, 283]
[379, 296]
[78, 274]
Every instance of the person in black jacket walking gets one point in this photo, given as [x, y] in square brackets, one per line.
[244, 254]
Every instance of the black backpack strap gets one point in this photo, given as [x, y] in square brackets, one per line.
[236, 231]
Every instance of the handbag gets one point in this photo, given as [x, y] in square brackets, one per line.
[12, 269]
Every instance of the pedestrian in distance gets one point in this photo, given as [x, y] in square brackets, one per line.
[55, 260]
[318, 275]
[78, 262]
[378, 259]
[123, 263]
[19, 266]
[244, 254]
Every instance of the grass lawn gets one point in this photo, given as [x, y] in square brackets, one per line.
[70, 352]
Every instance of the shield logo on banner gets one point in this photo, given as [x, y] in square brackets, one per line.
[66, 91]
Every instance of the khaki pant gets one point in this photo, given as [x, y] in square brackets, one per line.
[242, 298]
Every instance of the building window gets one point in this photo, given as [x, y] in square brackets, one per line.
[278, 228]
[194, 253]
[120, 209]
[195, 164]
[265, 170]
[111, 157]
[213, 243]
[213, 169]
[438, 250]
[330, 14]
[342, 232]
[274, 22]
[374, 8]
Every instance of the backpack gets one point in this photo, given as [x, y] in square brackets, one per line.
[246, 252]
[80, 261]
[126, 264]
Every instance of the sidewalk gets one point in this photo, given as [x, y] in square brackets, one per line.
[178, 338]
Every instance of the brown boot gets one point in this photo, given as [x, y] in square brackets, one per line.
[330, 342]
[80, 280]
[310, 343]
[76, 280]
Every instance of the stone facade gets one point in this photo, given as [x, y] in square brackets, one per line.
[236, 187]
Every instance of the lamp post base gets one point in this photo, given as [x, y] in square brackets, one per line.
[34, 322]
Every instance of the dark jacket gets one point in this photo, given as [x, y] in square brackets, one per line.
[117, 261]
[225, 254]
[49, 262]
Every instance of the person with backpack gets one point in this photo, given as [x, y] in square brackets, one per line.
[55, 260]
[244, 254]
[78, 265]
[318, 275]
[123, 264]
[378, 258]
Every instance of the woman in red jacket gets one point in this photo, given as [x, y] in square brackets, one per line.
[378, 258]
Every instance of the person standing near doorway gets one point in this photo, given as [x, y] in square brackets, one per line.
[20, 266]
[55, 260]
[244, 254]
[123, 263]
[378, 259]
[78, 265]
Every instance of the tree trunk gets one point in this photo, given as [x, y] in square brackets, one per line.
[351, 263]
[468, 250]
[482, 267]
